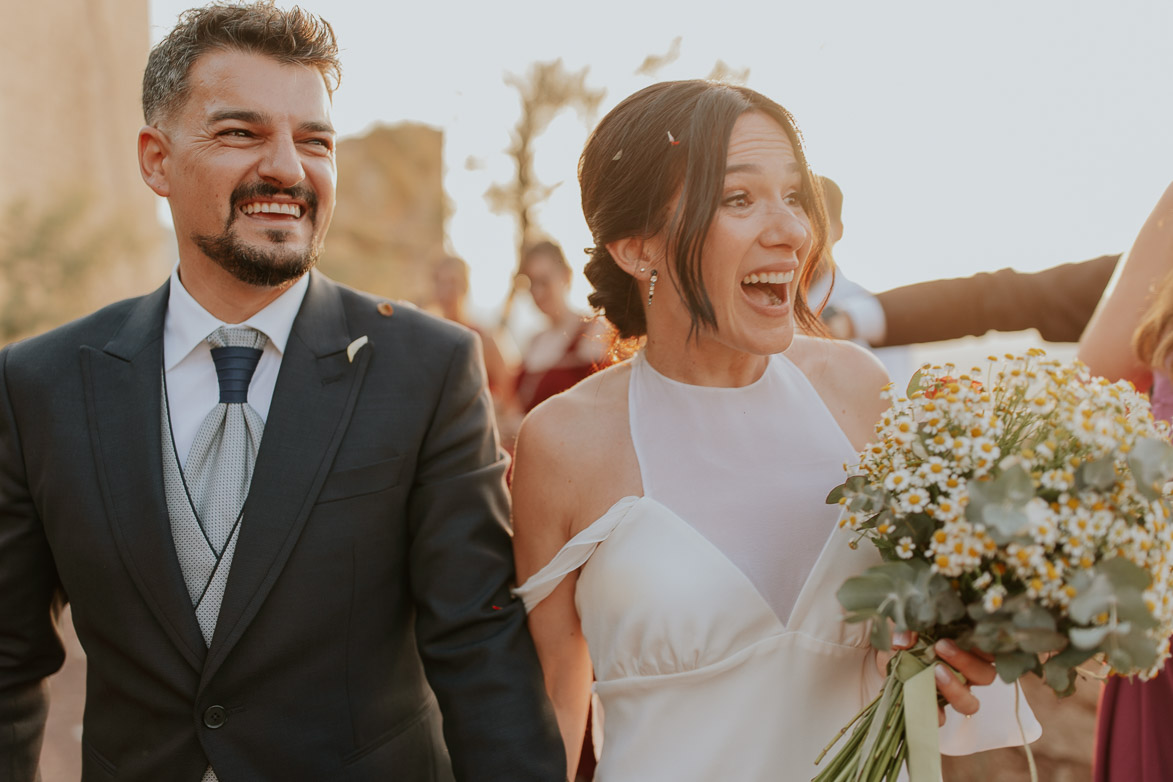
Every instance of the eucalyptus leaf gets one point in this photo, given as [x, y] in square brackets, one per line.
[1012, 665]
[1060, 670]
[1151, 462]
[1090, 603]
[1003, 522]
[1059, 679]
[942, 603]
[920, 527]
[1140, 648]
[1088, 638]
[881, 635]
[999, 504]
[1131, 608]
[855, 484]
[836, 494]
[866, 592]
[1040, 641]
[1099, 475]
[907, 592]
[1015, 486]
[1120, 660]
[995, 635]
[1124, 573]
[1032, 616]
[1034, 629]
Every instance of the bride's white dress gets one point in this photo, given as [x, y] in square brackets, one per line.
[708, 604]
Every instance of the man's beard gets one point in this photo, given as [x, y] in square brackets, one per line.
[266, 268]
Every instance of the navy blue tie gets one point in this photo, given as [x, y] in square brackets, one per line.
[234, 370]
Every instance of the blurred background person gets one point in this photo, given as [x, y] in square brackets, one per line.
[450, 300]
[1130, 337]
[847, 300]
[568, 349]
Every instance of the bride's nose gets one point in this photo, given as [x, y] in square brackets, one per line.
[786, 227]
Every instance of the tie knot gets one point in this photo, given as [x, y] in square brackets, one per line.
[235, 352]
[237, 337]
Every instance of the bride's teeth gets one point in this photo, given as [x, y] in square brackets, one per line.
[770, 278]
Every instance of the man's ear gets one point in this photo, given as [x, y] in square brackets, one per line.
[631, 255]
[153, 150]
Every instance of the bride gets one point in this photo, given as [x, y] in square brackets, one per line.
[670, 527]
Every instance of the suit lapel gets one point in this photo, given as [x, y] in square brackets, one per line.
[312, 404]
[124, 405]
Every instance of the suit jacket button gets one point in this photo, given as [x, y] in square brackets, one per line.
[215, 717]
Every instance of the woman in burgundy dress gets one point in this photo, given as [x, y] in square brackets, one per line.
[571, 347]
[1131, 337]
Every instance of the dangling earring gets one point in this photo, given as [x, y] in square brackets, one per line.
[652, 285]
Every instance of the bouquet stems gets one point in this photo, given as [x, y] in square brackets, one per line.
[878, 747]
[897, 729]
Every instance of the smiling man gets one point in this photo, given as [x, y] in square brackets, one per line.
[275, 504]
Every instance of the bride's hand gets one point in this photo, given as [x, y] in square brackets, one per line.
[976, 668]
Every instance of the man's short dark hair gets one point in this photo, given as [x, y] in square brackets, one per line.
[294, 37]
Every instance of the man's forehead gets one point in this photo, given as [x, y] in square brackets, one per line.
[228, 84]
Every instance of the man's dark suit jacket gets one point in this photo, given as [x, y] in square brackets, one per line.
[1058, 302]
[371, 578]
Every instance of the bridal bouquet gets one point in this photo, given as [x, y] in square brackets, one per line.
[1024, 514]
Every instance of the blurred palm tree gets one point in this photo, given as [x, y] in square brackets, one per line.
[545, 90]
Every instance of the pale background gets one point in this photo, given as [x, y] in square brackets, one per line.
[966, 136]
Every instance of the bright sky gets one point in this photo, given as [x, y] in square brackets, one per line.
[966, 136]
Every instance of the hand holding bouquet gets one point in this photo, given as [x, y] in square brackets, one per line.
[1024, 514]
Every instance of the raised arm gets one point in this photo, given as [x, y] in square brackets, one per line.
[543, 513]
[1057, 301]
[1106, 346]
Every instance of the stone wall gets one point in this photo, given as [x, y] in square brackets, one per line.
[390, 216]
[77, 225]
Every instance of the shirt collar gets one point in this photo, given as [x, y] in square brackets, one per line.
[187, 323]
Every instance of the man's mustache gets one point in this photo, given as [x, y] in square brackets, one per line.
[258, 190]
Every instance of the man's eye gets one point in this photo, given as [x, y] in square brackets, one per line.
[236, 133]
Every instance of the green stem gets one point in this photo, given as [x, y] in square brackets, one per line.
[843, 760]
[897, 763]
[893, 738]
[886, 736]
[862, 712]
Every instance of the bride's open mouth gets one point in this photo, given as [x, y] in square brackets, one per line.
[768, 291]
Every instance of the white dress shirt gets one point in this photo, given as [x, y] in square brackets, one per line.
[192, 387]
[860, 304]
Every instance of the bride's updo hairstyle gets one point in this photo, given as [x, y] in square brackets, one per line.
[667, 139]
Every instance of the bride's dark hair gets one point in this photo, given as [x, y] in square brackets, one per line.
[669, 138]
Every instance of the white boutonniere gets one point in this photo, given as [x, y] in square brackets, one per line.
[353, 348]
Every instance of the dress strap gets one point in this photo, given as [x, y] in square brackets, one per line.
[573, 555]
